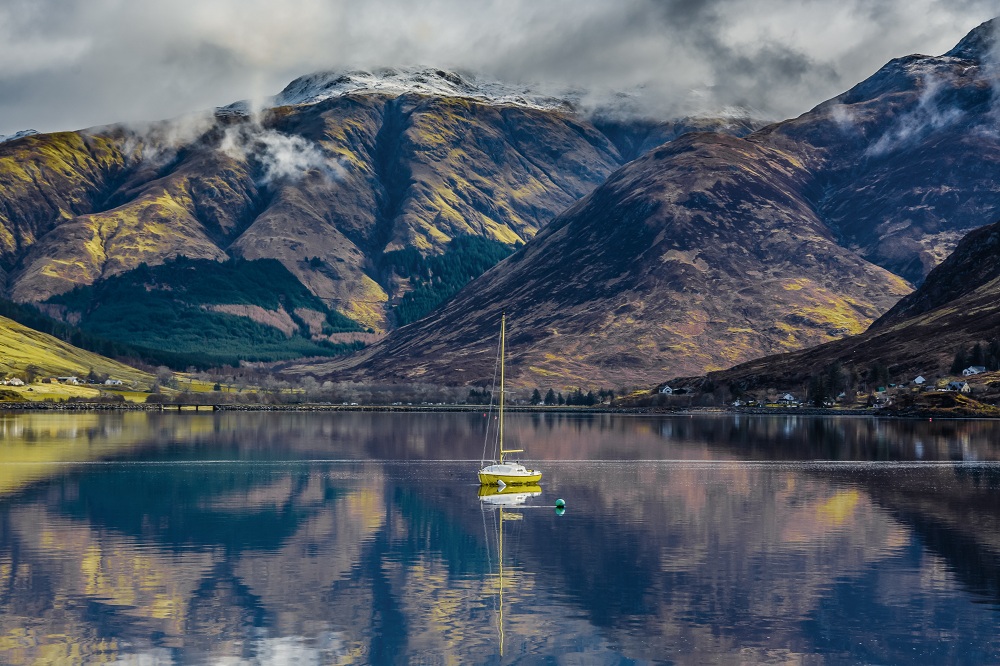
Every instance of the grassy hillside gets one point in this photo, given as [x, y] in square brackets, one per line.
[949, 323]
[24, 350]
[31, 317]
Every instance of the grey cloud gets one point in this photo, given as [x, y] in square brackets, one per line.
[67, 65]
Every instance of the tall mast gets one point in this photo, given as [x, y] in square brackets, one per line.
[503, 332]
[503, 343]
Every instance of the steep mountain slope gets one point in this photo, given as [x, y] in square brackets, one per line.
[418, 172]
[713, 250]
[697, 255]
[908, 161]
[974, 265]
[957, 306]
[326, 181]
[337, 170]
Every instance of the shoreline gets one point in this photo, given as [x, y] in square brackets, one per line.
[418, 409]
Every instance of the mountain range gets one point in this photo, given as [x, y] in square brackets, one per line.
[343, 170]
[647, 248]
[711, 250]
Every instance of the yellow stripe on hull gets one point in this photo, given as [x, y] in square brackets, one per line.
[494, 491]
[487, 479]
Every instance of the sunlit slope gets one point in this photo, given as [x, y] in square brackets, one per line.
[334, 181]
[713, 250]
[21, 347]
[325, 188]
[957, 307]
[699, 255]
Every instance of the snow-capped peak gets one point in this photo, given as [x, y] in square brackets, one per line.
[319, 86]
[17, 135]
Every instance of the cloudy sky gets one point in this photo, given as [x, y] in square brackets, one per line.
[69, 64]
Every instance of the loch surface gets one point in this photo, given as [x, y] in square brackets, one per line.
[336, 538]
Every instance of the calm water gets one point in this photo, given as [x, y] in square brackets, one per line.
[361, 538]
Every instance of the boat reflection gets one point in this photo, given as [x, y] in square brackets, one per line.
[501, 498]
[509, 495]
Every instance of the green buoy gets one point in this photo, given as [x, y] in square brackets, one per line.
[560, 504]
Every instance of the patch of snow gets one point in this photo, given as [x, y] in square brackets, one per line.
[319, 86]
[17, 135]
[237, 110]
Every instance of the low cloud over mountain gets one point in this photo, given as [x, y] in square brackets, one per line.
[71, 65]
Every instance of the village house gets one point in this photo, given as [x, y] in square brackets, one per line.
[14, 381]
[112, 382]
[788, 399]
[973, 370]
[919, 381]
[962, 387]
[68, 380]
[666, 390]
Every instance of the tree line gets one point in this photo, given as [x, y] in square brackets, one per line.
[987, 356]
[573, 398]
[436, 278]
[152, 308]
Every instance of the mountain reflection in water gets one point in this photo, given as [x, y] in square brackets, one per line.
[357, 538]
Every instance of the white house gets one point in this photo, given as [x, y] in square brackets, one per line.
[919, 381]
[112, 382]
[666, 390]
[787, 399]
[69, 380]
[961, 387]
[973, 370]
[15, 382]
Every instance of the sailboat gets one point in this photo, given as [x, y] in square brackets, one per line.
[500, 472]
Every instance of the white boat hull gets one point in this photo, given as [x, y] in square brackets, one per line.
[509, 474]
